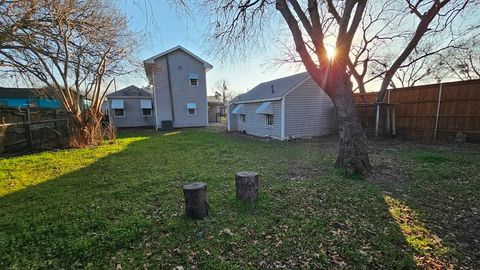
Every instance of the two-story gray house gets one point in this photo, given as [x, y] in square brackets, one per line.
[289, 107]
[179, 85]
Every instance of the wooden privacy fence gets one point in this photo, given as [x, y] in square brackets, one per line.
[437, 111]
[29, 128]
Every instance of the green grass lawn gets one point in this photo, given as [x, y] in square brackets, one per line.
[121, 206]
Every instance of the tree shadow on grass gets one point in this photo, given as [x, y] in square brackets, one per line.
[64, 219]
[126, 210]
[434, 201]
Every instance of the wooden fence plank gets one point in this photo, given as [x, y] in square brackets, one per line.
[32, 128]
[416, 110]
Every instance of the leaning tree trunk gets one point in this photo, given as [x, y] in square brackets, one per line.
[353, 152]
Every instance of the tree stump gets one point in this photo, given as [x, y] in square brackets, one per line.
[246, 184]
[196, 205]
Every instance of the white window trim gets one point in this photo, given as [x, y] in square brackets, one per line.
[266, 121]
[190, 81]
[122, 116]
[189, 114]
[194, 76]
[243, 118]
[151, 111]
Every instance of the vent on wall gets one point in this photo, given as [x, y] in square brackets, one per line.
[273, 90]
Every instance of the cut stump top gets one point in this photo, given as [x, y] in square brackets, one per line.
[246, 174]
[195, 185]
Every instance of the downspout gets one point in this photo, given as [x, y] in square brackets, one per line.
[170, 88]
[228, 117]
[388, 113]
[282, 127]
[206, 101]
[154, 96]
[438, 111]
[377, 119]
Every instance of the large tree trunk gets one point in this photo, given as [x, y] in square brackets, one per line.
[84, 129]
[353, 152]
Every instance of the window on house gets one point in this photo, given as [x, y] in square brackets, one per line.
[191, 108]
[147, 112]
[193, 79]
[118, 107]
[193, 82]
[269, 119]
[146, 106]
[242, 118]
[118, 112]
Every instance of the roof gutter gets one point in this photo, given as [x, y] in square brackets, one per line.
[257, 100]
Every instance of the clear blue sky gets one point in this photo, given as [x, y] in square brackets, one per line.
[165, 28]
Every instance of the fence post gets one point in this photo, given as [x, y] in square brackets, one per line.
[55, 126]
[388, 113]
[377, 120]
[394, 128]
[29, 128]
[438, 111]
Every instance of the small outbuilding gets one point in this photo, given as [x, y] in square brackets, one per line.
[285, 108]
[130, 107]
[216, 109]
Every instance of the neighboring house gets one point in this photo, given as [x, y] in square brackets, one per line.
[289, 107]
[216, 109]
[27, 97]
[13, 97]
[130, 107]
[179, 88]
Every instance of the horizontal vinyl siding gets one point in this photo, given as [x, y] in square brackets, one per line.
[162, 95]
[255, 123]
[309, 112]
[181, 65]
[133, 114]
[233, 118]
[183, 93]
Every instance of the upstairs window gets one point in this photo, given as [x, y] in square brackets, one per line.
[269, 120]
[193, 78]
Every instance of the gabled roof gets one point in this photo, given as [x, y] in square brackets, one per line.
[130, 91]
[151, 60]
[272, 90]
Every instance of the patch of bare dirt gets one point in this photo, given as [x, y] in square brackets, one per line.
[385, 175]
[301, 171]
